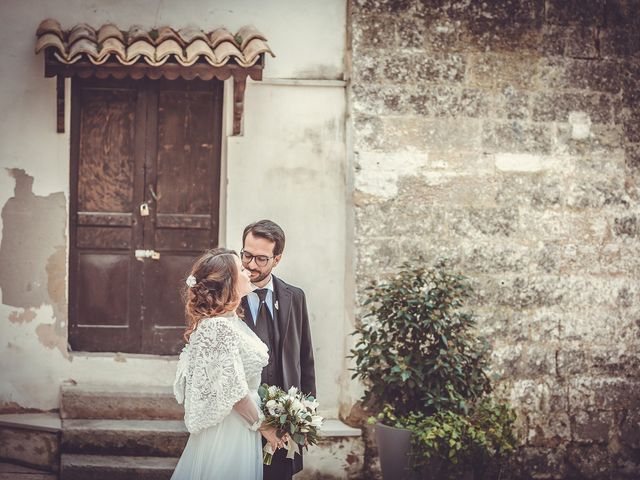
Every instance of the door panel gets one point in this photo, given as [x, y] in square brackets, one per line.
[156, 142]
[183, 176]
[104, 296]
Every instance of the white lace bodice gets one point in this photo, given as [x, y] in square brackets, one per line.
[219, 366]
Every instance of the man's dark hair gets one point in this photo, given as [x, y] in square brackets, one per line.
[268, 230]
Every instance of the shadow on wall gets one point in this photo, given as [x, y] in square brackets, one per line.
[33, 257]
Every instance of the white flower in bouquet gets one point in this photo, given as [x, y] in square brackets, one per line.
[310, 404]
[292, 414]
[316, 421]
[296, 405]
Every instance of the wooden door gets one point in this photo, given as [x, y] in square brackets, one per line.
[139, 142]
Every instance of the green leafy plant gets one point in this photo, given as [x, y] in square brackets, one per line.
[447, 444]
[416, 349]
[424, 368]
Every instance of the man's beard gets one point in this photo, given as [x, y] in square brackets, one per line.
[260, 277]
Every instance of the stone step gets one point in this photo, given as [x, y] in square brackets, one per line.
[165, 438]
[133, 402]
[10, 471]
[107, 467]
[30, 439]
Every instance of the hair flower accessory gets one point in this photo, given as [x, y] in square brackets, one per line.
[191, 281]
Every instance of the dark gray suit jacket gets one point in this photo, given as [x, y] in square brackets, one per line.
[296, 348]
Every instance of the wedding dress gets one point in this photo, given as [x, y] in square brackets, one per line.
[217, 379]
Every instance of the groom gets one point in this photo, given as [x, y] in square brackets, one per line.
[277, 312]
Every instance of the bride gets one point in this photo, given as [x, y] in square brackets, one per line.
[218, 376]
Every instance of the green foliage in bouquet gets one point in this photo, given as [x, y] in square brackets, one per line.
[416, 349]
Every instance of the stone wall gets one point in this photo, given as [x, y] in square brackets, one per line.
[505, 136]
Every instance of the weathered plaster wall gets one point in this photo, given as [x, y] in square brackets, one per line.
[308, 39]
[505, 135]
[292, 157]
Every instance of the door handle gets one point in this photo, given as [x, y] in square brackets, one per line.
[142, 254]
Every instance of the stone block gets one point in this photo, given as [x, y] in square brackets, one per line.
[489, 35]
[368, 132]
[621, 42]
[512, 104]
[532, 191]
[519, 291]
[630, 428]
[543, 463]
[626, 226]
[598, 361]
[516, 137]
[410, 32]
[371, 32]
[590, 461]
[591, 426]
[401, 69]
[442, 101]
[382, 99]
[601, 140]
[444, 68]
[552, 42]
[579, 74]
[623, 12]
[597, 193]
[558, 106]
[424, 134]
[383, 6]
[35, 448]
[498, 71]
[631, 124]
[632, 156]
[548, 431]
[523, 362]
[582, 42]
[542, 395]
[582, 12]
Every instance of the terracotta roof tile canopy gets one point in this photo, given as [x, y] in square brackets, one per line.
[159, 53]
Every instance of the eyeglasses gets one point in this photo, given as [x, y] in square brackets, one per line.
[261, 260]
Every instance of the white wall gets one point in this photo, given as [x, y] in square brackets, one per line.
[289, 165]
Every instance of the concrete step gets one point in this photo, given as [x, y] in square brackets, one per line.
[106, 467]
[119, 402]
[30, 439]
[165, 438]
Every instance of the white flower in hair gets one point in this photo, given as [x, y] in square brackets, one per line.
[191, 281]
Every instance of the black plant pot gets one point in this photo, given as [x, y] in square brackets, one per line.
[393, 449]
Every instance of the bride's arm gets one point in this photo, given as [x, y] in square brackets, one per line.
[248, 410]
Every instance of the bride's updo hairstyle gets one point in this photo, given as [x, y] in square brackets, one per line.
[211, 287]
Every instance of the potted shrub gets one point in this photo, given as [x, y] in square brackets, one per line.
[424, 372]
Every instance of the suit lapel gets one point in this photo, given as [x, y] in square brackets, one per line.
[283, 312]
[248, 318]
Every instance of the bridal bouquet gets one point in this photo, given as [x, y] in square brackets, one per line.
[291, 413]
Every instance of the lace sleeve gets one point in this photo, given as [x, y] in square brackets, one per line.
[218, 380]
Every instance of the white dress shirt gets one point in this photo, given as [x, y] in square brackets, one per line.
[254, 301]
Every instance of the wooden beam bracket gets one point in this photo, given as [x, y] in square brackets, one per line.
[60, 103]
